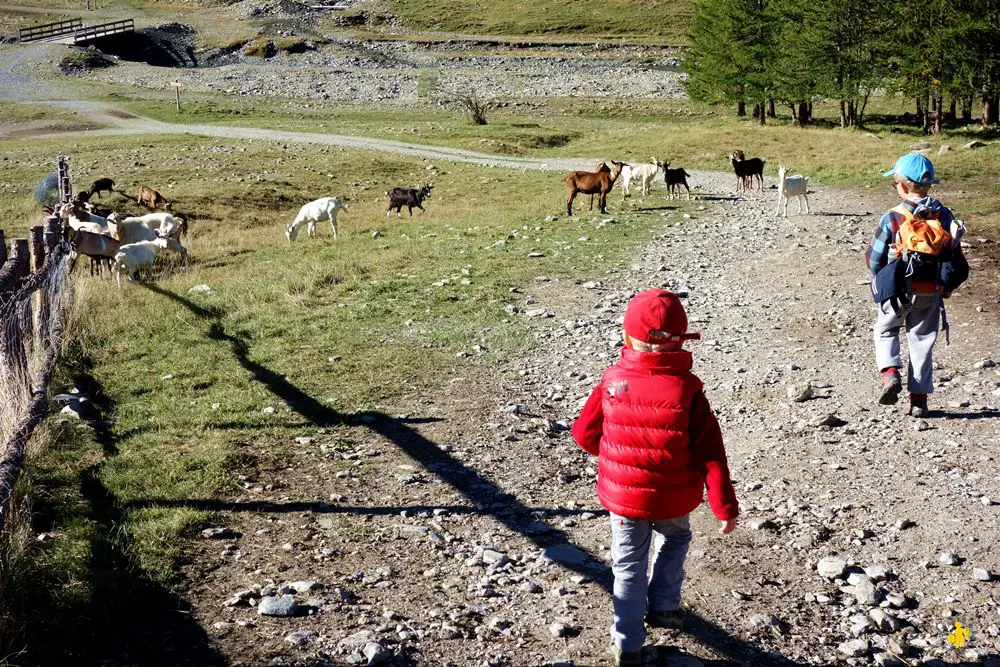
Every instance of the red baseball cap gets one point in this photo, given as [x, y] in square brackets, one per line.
[657, 316]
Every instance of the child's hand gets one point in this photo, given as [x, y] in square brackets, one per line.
[729, 525]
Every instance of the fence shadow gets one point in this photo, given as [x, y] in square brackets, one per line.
[126, 618]
[504, 508]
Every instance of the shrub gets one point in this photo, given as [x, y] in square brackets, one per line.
[82, 60]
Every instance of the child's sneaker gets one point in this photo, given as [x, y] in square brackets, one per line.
[671, 620]
[625, 658]
[918, 405]
[891, 386]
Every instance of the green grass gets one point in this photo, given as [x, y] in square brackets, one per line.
[265, 337]
[632, 18]
[685, 133]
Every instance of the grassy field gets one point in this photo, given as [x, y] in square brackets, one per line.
[660, 18]
[685, 133]
[185, 379]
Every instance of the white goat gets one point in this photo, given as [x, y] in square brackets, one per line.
[136, 229]
[788, 186]
[643, 173]
[132, 256]
[313, 212]
[80, 219]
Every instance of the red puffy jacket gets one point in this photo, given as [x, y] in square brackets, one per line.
[657, 441]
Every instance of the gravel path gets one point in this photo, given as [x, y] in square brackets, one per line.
[467, 532]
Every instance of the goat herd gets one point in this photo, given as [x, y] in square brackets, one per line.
[748, 172]
[124, 243]
[128, 243]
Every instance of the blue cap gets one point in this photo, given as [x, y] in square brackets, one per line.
[915, 167]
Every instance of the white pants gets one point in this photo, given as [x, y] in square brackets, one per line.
[921, 320]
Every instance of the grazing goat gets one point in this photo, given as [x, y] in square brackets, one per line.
[675, 178]
[99, 247]
[644, 173]
[79, 218]
[152, 198]
[313, 212]
[746, 170]
[795, 186]
[134, 230]
[167, 223]
[590, 183]
[100, 185]
[131, 256]
[409, 197]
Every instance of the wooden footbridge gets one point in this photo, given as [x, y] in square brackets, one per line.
[74, 32]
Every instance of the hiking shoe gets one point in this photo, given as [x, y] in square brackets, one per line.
[918, 406]
[891, 386]
[625, 658]
[671, 620]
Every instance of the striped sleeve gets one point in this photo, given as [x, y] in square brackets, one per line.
[877, 255]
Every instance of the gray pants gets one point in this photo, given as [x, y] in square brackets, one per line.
[633, 593]
[921, 320]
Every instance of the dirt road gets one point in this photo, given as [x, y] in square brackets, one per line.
[462, 528]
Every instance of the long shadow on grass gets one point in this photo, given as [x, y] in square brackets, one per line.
[126, 618]
[488, 498]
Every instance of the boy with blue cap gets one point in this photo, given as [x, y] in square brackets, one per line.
[911, 258]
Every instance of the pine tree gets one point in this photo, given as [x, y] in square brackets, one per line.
[830, 49]
[730, 52]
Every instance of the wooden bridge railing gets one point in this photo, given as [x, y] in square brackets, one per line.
[103, 30]
[45, 31]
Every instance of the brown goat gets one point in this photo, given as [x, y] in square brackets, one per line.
[591, 183]
[152, 198]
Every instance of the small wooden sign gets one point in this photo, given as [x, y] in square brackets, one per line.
[177, 85]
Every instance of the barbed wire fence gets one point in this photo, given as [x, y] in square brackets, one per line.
[34, 297]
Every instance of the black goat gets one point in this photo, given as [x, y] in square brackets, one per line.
[101, 185]
[409, 197]
[746, 170]
[674, 178]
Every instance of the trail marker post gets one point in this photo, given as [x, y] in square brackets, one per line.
[177, 85]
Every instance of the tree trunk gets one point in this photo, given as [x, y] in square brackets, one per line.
[952, 114]
[810, 108]
[861, 114]
[991, 110]
[741, 109]
[770, 109]
[967, 109]
[802, 118]
[938, 114]
[760, 113]
[925, 115]
[843, 113]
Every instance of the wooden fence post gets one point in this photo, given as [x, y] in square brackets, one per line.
[12, 345]
[52, 232]
[16, 266]
[37, 248]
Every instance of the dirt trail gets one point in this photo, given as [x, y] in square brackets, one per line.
[426, 535]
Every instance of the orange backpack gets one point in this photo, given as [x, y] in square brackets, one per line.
[925, 236]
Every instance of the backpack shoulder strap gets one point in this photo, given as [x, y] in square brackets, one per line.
[903, 211]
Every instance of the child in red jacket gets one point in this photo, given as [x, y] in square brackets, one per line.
[659, 447]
